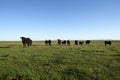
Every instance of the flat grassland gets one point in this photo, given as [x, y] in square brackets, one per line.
[59, 62]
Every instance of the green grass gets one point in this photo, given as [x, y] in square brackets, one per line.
[41, 62]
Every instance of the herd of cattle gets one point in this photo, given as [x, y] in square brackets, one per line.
[28, 42]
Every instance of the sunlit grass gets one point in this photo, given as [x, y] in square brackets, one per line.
[60, 62]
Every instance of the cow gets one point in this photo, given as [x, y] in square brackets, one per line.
[30, 41]
[76, 42]
[59, 41]
[88, 41]
[64, 42]
[81, 42]
[48, 42]
[68, 42]
[108, 42]
[26, 41]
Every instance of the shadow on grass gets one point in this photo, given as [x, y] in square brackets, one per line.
[116, 55]
[91, 51]
[4, 47]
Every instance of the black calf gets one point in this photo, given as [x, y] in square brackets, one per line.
[88, 42]
[48, 42]
[68, 42]
[108, 42]
[59, 41]
[64, 42]
[81, 42]
[76, 42]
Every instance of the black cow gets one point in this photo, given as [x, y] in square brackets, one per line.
[68, 42]
[88, 41]
[48, 42]
[59, 41]
[81, 42]
[76, 42]
[29, 41]
[108, 42]
[64, 42]
[26, 41]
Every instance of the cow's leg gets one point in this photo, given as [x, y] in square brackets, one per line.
[28, 44]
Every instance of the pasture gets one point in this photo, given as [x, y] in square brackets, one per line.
[59, 62]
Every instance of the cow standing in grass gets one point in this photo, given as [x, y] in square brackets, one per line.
[68, 42]
[48, 42]
[30, 41]
[76, 42]
[26, 41]
[59, 41]
[64, 42]
[108, 42]
[87, 41]
[81, 42]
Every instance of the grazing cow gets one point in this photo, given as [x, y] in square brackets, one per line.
[81, 42]
[26, 41]
[48, 42]
[68, 42]
[87, 41]
[64, 42]
[76, 42]
[59, 41]
[30, 41]
[108, 42]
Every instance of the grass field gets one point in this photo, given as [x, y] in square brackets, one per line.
[59, 62]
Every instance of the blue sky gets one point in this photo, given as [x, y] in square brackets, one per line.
[64, 19]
